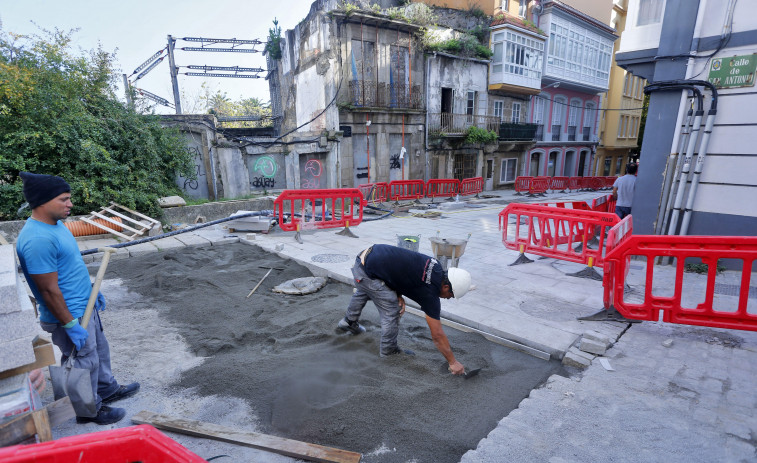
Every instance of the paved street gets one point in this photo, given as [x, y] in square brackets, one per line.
[675, 393]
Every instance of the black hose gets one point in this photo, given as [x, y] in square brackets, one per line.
[267, 213]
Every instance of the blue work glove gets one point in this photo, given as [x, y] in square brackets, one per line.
[77, 334]
[100, 302]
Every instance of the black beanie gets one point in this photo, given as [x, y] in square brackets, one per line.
[39, 189]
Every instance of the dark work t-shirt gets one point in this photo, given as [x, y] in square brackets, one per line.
[411, 274]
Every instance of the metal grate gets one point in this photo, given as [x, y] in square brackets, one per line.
[733, 290]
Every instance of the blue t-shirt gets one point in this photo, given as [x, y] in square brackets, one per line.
[411, 274]
[45, 248]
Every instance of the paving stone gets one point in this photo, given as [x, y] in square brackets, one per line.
[141, 249]
[165, 244]
[572, 359]
[593, 347]
[190, 239]
[217, 241]
[597, 336]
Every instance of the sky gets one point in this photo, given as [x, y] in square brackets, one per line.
[137, 29]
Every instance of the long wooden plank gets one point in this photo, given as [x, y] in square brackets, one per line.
[103, 227]
[280, 445]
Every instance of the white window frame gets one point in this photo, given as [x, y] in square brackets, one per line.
[499, 109]
[470, 103]
[539, 109]
[578, 53]
[522, 8]
[515, 113]
[559, 106]
[650, 16]
[522, 55]
[503, 170]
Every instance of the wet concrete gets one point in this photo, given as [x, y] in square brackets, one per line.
[281, 355]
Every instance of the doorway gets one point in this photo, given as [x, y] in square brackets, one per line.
[581, 163]
[489, 178]
[533, 169]
[552, 165]
[570, 161]
[447, 107]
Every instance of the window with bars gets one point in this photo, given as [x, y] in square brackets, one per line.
[589, 118]
[573, 114]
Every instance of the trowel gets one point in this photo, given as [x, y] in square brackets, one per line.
[467, 375]
[75, 382]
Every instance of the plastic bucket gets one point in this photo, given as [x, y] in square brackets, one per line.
[411, 242]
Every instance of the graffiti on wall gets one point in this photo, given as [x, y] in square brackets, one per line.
[394, 162]
[195, 187]
[311, 177]
[265, 169]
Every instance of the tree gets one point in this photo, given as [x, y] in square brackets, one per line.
[59, 115]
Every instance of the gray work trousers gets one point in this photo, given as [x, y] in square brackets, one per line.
[385, 300]
[95, 356]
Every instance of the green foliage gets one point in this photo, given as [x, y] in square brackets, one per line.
[702, 268]
[273, 46]
[59, 115]
[478, 135]
[348, 8]
[221, 105]
[481, 33]
[376, 8]
[477, 12]
[465, 45]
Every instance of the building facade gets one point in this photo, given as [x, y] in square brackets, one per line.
[576, 71]
[620, 117]
[667, 40]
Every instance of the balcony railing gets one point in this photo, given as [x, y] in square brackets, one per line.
[458, 124]
[364, 93]
[571, 133]
[518, 131]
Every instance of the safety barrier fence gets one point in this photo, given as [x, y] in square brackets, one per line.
[471, 186]
[539, 186]
[552, 232]
[559, 183]
[522, 185]
[442, 188]
[298, 210]
[625, 250]
[375, 192]
[604, 203]
[402, 190]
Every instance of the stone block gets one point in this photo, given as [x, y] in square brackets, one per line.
[164, 244]
[16, 353]
[573, 359]
[171, 201]
[593, 347]
[19, 324]
[597, 336]
[215, 241]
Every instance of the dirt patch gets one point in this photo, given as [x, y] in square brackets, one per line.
[281, 355]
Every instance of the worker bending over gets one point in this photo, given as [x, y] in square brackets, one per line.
[384, 274]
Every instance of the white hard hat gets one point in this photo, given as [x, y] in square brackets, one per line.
[459, 279]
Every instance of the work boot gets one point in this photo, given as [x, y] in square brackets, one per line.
[106, 415]
[349, 326]
[122, 393]
[396, 351]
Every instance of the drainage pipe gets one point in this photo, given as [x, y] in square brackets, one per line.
[698, 170]
[672, 171]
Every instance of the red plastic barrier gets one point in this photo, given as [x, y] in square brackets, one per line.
[595, 183]
[471, 186]
[442, 187]
[601, 203]
[400, 190]
[539, 185]
[609, 181]
[550, 231]
[559, 183]
[306, 209]
[707, 248]
[375, 192]
[134, 443]
[522, 185]
[574, 183]
[581, 205]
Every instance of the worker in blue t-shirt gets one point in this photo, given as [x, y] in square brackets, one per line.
[384, 274]
[59, 280]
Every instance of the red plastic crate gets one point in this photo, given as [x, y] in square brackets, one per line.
[133, 444]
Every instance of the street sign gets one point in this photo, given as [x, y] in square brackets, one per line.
[734, 71]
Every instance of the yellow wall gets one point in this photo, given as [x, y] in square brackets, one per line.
[488, 6]
[600, 10]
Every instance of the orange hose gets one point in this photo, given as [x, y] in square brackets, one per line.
[80, 228]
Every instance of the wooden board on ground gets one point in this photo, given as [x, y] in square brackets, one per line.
[280, 445]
